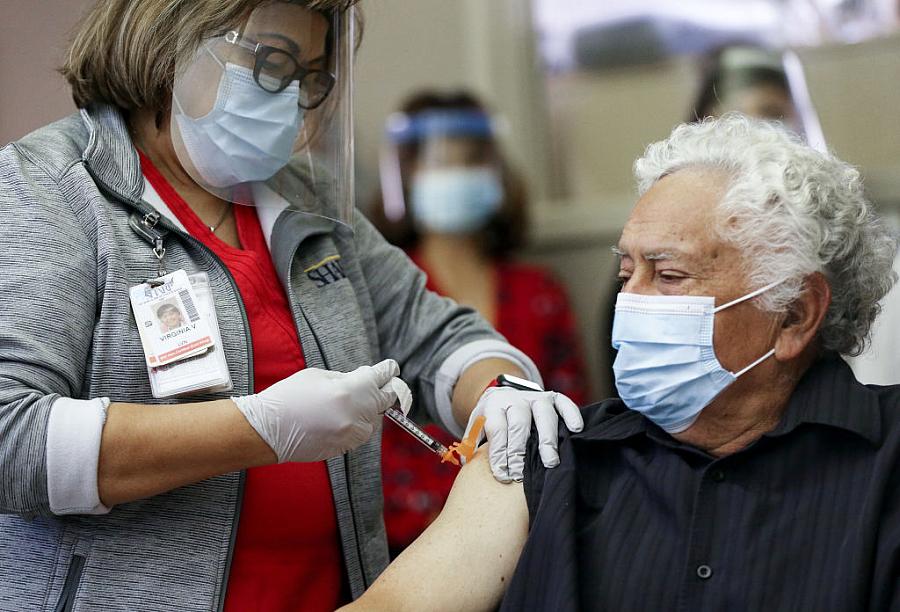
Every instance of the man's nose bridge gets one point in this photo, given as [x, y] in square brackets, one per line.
[641, 281]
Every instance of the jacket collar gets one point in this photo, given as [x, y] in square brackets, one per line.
[109, 156]
[828, 394]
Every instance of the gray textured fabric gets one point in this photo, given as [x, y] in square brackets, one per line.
[66, 329]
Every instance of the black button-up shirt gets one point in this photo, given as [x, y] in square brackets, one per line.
[805, 518]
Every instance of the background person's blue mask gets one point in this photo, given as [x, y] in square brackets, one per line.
[667, 368]
[455, 200]
[247, 136]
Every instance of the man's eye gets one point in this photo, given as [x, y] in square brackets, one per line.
[670, 277]
[622, 279]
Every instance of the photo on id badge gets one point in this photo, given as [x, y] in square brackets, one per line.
[169, 316]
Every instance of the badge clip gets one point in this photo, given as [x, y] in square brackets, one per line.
[145, 227]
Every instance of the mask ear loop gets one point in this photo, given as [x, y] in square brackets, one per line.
[755, 363]
[749, 296]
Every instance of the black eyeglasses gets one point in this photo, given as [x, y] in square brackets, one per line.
[274, 69]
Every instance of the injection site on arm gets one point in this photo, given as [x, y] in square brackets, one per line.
[466, 557]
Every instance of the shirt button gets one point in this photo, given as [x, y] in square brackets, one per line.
[704, 572]
[718, 475]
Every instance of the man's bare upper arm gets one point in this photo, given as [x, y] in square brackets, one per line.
[464, 560]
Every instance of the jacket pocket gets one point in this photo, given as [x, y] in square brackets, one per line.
[70, 587]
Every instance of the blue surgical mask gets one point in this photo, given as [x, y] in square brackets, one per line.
[667, 368]
[248, 135]
[455, 200]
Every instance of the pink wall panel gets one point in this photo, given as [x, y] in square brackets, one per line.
[33, 36]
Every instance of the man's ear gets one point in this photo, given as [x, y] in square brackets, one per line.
[803, 318]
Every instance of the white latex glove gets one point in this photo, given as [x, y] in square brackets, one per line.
[404, 395]
[317, 414]
[508, 413]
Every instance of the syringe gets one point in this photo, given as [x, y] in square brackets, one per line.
[397, 416]
[463, 449]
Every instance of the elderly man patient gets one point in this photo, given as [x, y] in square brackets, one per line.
[744, 467]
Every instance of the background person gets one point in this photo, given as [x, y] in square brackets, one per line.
[748, 80]
[190, 112]
[776, 487]
[451, 200]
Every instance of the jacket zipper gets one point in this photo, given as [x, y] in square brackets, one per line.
[70, 586]
[359, 550]
[249, 341]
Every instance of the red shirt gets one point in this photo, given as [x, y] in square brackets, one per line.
[287, 555]
[533, 314]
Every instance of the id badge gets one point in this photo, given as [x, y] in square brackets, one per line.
[207, 372]
[168, 320]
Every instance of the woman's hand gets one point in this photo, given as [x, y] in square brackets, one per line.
[316, 414]
[509, 414]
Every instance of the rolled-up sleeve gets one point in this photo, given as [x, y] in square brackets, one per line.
[433, 338]
[48, 285]
[463, 357]
[73, 453]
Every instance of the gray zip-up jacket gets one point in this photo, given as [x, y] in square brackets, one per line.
[68, 341]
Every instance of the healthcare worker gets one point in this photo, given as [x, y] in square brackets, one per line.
[233, 461]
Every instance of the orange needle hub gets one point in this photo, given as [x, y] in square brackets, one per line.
[465, 449]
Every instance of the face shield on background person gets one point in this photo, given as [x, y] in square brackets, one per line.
[442, 166]
[262, 114]
[767, 84]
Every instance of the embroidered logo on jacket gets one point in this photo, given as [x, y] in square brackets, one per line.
[327, 271]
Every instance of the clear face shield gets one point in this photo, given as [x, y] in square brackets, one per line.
[443, 168]
[262, 114]
[769, 85]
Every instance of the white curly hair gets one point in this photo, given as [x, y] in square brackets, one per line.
[792, 211]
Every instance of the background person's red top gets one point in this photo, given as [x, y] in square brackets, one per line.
[287, 555]
[533, 314]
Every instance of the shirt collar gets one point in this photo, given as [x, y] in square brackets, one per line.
[611, 420]
[827, 394]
